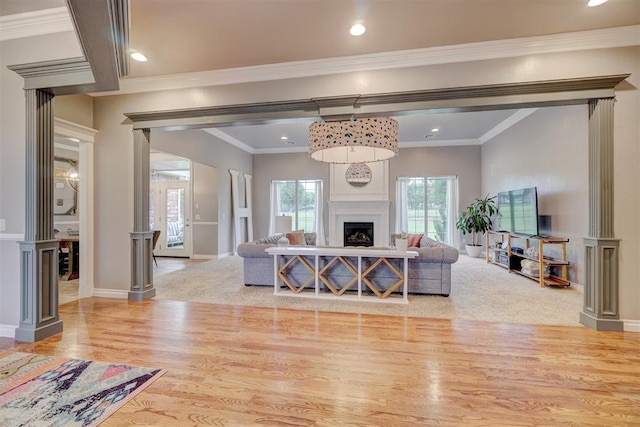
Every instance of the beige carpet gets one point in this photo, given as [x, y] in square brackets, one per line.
[479, 292]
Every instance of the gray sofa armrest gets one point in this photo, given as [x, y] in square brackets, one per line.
[447, 255]
[254, 250]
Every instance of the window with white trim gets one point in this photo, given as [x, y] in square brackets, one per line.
[302, 200]
[428, 205]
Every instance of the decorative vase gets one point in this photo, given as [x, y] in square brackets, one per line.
[401, 244]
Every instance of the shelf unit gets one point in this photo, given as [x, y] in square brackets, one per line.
[499, 250]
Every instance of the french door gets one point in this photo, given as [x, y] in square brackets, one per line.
[170, 212]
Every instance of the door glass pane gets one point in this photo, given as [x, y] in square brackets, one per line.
[175, 214]
[152, 208]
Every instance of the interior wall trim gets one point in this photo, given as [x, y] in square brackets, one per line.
[36, 23]
[69, 129]
[102, 30]
[12, 237]
[607, 38]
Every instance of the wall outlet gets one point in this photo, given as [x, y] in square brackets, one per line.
[1, 224]
[197, 216]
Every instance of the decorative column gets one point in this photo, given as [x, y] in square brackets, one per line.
[601, 296]
[39, 250]
[141, 237]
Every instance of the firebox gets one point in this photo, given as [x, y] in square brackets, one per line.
[358, 234]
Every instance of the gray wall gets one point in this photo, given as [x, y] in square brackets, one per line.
[548, 150]
[12, 159]
[76, 109]
[204, 148]
[268, 167]
[429, 161]
[205, 205]
[507, 70]
[114, 154]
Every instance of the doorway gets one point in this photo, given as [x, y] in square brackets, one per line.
[170, 205]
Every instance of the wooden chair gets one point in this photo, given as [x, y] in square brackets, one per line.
[156, 236]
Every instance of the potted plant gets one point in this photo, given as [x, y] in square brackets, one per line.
[476, 220]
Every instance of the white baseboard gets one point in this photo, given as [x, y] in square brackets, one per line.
[204, 256]
[110, 293]
[8, 331]
[631, 325]
[224, 255]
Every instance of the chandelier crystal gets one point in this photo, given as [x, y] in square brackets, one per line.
[354, 141]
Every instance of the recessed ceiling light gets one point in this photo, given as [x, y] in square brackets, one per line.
[435, 129]
[357, 29]
[593, 3]
[138, 57]
[284, 137]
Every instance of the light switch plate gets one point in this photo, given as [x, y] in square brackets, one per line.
[1, 224]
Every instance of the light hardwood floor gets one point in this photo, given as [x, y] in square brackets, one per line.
[68, 289]
[242, 366]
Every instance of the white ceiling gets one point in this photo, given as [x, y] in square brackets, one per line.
[252, 37]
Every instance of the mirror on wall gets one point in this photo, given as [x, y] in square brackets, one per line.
[358, 174]
[65, 186]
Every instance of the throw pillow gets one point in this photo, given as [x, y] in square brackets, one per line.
[414, 240]
[296, 238]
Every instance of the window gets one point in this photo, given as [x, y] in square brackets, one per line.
[428, 205]
[302, 200]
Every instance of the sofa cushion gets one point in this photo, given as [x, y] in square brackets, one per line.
[296, 238]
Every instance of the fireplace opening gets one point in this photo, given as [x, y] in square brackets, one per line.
[358, 234]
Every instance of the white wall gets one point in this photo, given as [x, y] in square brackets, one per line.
[548, 150]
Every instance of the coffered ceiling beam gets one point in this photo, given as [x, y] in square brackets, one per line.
[473, 98]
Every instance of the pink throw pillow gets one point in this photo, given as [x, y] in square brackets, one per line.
[296, 238]
[413, 240]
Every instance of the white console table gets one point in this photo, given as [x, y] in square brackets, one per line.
[284, 257]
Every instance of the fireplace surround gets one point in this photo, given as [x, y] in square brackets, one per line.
[376, 212]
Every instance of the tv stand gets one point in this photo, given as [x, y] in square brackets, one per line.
[501, 247]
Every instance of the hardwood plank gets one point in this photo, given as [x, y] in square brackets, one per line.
[231, 365]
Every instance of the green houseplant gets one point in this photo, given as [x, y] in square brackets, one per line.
[476, 220]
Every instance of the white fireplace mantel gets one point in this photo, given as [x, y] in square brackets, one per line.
[376, 211]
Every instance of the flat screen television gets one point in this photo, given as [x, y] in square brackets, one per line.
[518, 211]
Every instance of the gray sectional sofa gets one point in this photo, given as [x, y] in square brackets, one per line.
[429, 272]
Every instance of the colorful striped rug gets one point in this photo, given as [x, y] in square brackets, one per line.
[40, 390]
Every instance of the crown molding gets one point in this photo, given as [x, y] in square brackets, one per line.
[507, 123]
[555, 43]
[46, 21]
[283, 150]
[439, 143]
[231, 140]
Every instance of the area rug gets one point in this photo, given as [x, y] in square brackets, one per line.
[38, 390]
